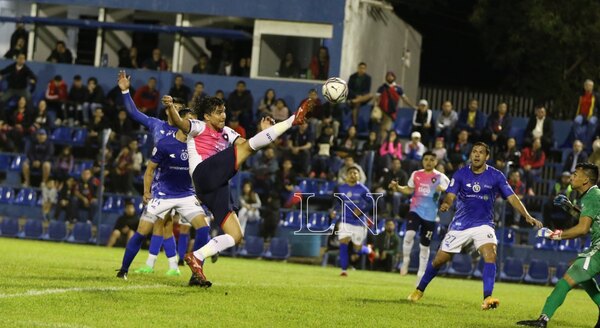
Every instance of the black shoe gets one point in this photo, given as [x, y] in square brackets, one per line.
[542, 321]
[180, 262]
[122, 274]
[214, 258]
[195, 282]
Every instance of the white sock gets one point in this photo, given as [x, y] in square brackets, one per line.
[214, 246]
[269, 135]
[407, 245]
[151, 260]
[423, 258]
[172, 262]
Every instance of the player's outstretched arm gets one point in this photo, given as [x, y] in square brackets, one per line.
[447, 203]
[565, 204]
[581, 229]
[148, 177]
[394, 186]
[516, 203]
[183, 125]
[132, 111]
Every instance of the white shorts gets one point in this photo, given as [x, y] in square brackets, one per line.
[358, 233]
[455, 240]
[187, 207]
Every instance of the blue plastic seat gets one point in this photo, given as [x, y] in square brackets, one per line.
[292, 220]
[17, 163]
[512, 270]
[5, 160]
[537, 272]
[570, 245]
[561, 268]
[57, 231]
[33, 229]
[543, 243]
[253, 247]
[7, 195]
[9, 227]
[26, 197]
[79, 137]
[478, 272]
[279, 249]
[461, 265]
[319, 221]
[62, 135]
[81, 234]
[103, 233]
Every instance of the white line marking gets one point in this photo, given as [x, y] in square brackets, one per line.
[43, 292]
[49, 324]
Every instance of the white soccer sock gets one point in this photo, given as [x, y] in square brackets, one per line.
[407, 245]
[172, 262]
[214, 246]
[151, 260]
[269, 135]
[423, 258]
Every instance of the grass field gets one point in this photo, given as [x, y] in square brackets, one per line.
[46, 284]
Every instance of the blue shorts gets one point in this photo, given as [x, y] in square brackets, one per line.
[211, 181]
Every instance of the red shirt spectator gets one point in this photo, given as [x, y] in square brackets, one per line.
[57, 90]
[146, 98]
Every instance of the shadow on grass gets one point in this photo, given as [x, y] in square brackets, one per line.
[397, 301]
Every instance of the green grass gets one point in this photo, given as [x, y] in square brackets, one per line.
[77, 288]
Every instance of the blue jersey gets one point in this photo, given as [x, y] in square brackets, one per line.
[159, 129]
[171, 179]
[475, 195]
[356, 194]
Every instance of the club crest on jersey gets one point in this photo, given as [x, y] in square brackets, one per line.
[184, 155]
[476, 187]
[433, 180]
[154, 150]
[349, 194]
[225, 136]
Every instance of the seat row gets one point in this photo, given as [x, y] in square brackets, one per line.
[80, 233]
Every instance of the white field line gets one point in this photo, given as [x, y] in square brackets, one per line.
[44, 292]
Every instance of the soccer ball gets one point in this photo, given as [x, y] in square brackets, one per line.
[335, 90]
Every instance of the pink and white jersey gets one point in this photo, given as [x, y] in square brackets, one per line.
[203, 142]
[426, 195]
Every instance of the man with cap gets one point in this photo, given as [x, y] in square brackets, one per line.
[38, 157]
[387, 97]
[414, 151]
[422, 121]
[554, 219]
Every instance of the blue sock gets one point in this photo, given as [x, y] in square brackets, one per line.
[170, 248]
[131, 250]
[489, 275]
[182, 244]
[202, 237]
[344, 256]
[155, 244]
[430, 273]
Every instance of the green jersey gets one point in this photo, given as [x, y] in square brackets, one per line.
[590, 207]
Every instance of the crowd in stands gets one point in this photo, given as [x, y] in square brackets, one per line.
[321, 148]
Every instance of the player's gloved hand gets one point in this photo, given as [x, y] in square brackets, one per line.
[563, 202]
[549, 234]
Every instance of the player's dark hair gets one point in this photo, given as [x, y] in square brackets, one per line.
[353, 167]
[591, 170]
[482, 144]
[206, 105]
[362, 64]
[430, 153]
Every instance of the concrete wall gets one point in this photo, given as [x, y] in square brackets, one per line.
[381, 45]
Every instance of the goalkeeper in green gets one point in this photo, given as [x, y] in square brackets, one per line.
[587, 264]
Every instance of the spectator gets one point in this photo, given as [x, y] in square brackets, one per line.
[372, 143]
[386, 247]
[387, 97]
[203, 66]
[459, 151]
[349, 145]
[18, 48]
[249, 205]
[57, 95]
[440, 151]
[147, 98]
[595, 156]
[393, 198]
[19, 76]
[264, 170]
[322, 161]
[576, 156]
[348, 163]
[60, 54]
[471, 120]
[41, 119]
[128, 58]
[137, 159]
[220, 94]
[239, 103]
[390, 149]
[553, 218]
[289, 67]
[498, 126]
[66, 194]
[63, 164]
[446, 121]
[6, 143]
[122, 174]
[49, 198]
[19, 33]
[226, 67]
[320, 115]
[532, 161]
[519, 188]
[20, 122]
[414, 151]
[508, 154]
[84, 195]
[126, 224]
[77, 96]
[300, 145]
[539, 126]
[180, 91]
[95, 128]
[586, 119]
[280, 112]
[243, 68]
[359, 90]
[122, 129]
[198, 94]
[286, 180]
[319, 65]
[422, 121]
[234, 123]
[267, 103]
[94, 99]
[156, 62]
[39, 156]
